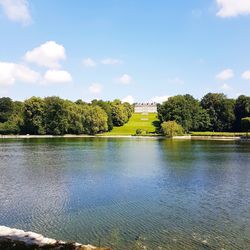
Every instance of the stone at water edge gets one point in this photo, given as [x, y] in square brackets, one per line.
[15, 239]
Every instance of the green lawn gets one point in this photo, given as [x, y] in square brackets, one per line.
[142, 121]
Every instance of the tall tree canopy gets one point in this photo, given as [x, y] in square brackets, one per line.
[33, 115]
[56, 116]
[220, 110]
[186, 111]
[242, 109]
[6, 108]
[106, 106]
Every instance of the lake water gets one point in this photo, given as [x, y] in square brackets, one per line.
[128, 193]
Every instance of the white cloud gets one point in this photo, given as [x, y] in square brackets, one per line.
[232, 8]
[129, 99]
[95, 88]
[225, 75]
[111, 61]
[125, 79]
[226, 87]
[159, 99]
[16, 10]
[89, 62]
[48, 55]
[12, 72]
[57, 76]
[246, 75]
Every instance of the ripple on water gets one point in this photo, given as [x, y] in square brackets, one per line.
[159, 193]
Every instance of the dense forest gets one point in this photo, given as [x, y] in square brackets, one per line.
[215, 112]
[56, 116]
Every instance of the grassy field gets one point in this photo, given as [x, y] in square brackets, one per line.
[147, 122]
[137, 121]
[226, 134]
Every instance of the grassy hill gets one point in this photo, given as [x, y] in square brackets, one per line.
[146, 122]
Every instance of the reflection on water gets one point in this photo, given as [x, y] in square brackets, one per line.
[129, 193]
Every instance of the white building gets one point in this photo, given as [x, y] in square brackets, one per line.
[145, 108]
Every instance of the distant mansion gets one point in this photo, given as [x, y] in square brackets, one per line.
[146, 108]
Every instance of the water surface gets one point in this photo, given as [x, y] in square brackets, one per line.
[128, 193]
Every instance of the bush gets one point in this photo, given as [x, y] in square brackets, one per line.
[171, 128]
[138, 131]
[245, 124]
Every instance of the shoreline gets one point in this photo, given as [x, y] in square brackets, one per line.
[185, 137]
[12, 238]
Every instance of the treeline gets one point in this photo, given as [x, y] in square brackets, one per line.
[215, 112]
[56, 116]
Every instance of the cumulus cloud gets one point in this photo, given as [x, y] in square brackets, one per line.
[246, 75]
[159, 99]
[225, 75]
[57, 76]
[129, 99]
[232, 8]
[226, 87]
[89, 62]
[12, 72]
[95, 88]
[48, 55]
[17, 10]
[125, 79]
[111, 61]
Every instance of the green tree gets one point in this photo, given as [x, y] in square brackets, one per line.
[129, 109]
[56, 116]
[6, 108]
[242, 109]
[106, 106]
[245, 124]
[171, 128]
[186, 111]
[33, 115]
[220, 111]
[75, 116]
[119, 114]
[95, 120]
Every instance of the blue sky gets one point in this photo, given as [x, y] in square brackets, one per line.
[144, 50]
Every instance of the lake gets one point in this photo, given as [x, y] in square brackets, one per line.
[128, 193]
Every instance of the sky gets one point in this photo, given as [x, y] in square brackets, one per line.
[134, 50]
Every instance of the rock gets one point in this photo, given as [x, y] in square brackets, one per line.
[15, 239]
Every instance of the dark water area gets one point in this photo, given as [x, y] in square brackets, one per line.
[128, 193]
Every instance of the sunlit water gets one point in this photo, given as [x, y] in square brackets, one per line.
[129, 193]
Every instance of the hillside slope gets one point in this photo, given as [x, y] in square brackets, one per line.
[146, 122]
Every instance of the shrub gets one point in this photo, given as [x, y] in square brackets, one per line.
[138, 131]
[171, 128]
[245, 124]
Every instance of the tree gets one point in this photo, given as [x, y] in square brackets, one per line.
[171, 128]
[95, 120]
[242, 109]
[34, 114]
[75, 116]
[245, 124]
[9, 127]
[119, 114]
[106, 106]
[6, 108]
[56, 116]
[220, 111]
[186, 111]
[129, 109]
